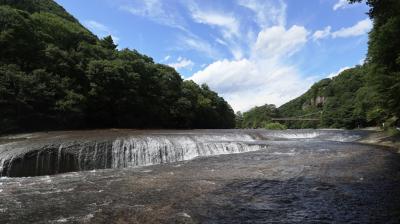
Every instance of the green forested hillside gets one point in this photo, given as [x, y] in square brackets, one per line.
[257, 117]
[345, 101]
[55, 74]
[341, 102]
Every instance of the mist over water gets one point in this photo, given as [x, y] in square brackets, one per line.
[206, 176]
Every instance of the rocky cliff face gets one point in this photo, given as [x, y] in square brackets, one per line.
[318, 101]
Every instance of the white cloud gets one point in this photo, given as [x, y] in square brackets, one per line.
[267, 13]
[361, 28]
[265, 76]
[277, 41]
[182, 63]
[321, 34]
[100, 29]
[334, 74]
[228, 23]
[340, 4]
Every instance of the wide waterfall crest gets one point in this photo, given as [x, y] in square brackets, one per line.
[141, 151]
[120, 152]
[60, 152]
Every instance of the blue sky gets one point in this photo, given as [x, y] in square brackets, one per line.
[251, 52]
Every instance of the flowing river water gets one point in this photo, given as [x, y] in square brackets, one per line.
[198, 176]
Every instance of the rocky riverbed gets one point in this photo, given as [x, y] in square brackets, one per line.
[303, 176]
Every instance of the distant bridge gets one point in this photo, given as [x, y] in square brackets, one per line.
[299, 118]
[294, 119]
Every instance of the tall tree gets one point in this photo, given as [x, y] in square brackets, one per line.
[383, 56]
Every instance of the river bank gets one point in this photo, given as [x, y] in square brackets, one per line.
[383, 138]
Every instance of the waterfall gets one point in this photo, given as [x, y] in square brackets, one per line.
[121, 152]
[141, 151]
[77, 151]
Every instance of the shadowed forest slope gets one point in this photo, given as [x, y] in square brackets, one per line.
[56, 74]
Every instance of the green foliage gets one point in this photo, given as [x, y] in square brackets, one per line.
[275, 126]
[207, 109]
[348, 102]
[239, 120]
[307, 106]
[393, 132]
[351, 100]
[63, 33]
[391, 122]
[258, 117]
[18, 41]
[55, 74]
[32, 6]
[384, 53]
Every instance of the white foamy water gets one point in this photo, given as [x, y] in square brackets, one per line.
[60, 153]
[141, 151]
[324, 135]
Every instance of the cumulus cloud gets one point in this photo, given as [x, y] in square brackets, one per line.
[263, 77]
[100, 29]
[360, 28]
[277, 41]
[182, 63]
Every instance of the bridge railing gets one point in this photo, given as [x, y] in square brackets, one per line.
[295, 119]
[299, 118]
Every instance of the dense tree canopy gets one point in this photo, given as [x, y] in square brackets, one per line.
[384, 52]
[258, 117]
[56, 74]
[340, 102]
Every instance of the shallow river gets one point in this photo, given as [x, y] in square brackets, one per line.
[200, 176]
